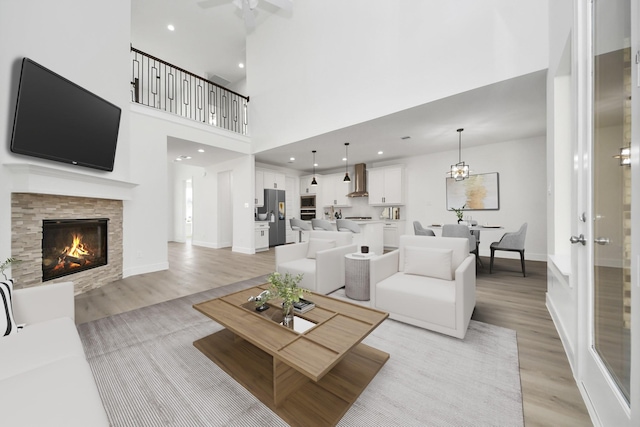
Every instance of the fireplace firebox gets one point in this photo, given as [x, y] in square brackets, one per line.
[72, 245]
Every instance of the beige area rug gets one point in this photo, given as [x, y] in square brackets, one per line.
[149, 373]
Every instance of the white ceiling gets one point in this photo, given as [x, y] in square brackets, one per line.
[210, 36]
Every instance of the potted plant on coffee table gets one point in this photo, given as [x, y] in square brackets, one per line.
[286, 288]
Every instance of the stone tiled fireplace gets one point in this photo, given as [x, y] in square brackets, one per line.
[29, 210]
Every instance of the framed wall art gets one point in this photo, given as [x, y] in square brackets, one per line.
[478, 192]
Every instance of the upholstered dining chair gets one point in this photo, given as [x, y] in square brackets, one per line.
[321, 224]
[513, 242]
[299, 226]
[347, 225]
[419, 231]
[459, 230]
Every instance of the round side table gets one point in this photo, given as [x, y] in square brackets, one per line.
[356, 280]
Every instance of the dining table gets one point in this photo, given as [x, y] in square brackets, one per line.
[474, 229]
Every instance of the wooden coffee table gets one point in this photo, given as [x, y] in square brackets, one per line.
[310, 378]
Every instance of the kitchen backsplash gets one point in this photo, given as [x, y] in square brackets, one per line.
[360, 208]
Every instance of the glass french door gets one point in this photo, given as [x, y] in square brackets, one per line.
[607, 362]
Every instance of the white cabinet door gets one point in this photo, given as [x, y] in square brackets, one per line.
[259, 188]
[393, 189]
[274, 180]
[386, 186]
[269, 179]
[375, 184]
[262, 236]
[279, 181]
[335, 190]
[305, 184]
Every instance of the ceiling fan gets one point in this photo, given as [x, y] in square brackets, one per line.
[247, 7]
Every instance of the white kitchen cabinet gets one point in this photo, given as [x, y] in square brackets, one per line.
[259, 189]
[262, 236]
[306, 187]
[335, 190]
[392, 230]
[274, 180]
[386, 186]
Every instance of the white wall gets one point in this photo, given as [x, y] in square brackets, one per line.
[522, 181]
[352, 61]
[84, 41]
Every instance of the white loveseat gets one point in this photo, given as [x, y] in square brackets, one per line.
[320, 260]
[428, 282]
[45, 379]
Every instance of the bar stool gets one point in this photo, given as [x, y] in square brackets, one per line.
[321, 224]
[300, 226]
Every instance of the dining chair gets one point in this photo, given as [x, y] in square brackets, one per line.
[420, 231]
[459, 230]
[299, 226]
[321, 224]
[347, 225]
[513, 242]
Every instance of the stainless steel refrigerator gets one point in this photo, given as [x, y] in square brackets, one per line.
[274, 207]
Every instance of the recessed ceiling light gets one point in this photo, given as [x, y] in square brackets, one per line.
[291, 159]
[344, 159]
[170, 27]
[380, 152]
[200, 150]
[178, 159]
[241, 65]
[315, 164]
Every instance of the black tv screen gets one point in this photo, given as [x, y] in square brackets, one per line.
[58, 120]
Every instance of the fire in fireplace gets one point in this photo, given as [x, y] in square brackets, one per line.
[72, 245]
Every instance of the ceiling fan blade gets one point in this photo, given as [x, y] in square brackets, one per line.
[282, 4]
[247, 13]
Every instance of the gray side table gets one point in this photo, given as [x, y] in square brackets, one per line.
[356, 280]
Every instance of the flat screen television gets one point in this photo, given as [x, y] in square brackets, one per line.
[58, 120]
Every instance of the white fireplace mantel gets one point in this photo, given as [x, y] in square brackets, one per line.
[31, 178]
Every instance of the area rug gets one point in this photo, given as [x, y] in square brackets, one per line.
[149, 373]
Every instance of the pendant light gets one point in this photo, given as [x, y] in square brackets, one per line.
[346, 166]
[460, 170]
[313, 181]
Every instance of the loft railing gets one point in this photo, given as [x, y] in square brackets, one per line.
[164, 86]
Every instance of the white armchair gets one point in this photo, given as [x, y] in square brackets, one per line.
[430, 283]
[320, 260]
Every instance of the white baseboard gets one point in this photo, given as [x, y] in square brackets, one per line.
[239, 249]
[134, 271]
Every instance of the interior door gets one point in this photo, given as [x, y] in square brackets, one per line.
[606, 350]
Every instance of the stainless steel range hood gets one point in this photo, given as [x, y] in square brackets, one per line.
[360, 181]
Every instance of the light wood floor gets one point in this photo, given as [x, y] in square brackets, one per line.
[504, 298]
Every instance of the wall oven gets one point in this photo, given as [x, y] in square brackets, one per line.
[308, 202]
[307, 214]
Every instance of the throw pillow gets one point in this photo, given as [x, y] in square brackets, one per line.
[7, 324]
[429, 262]
[316, 245]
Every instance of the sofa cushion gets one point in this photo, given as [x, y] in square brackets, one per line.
[62, 393]
[419, 297]
[38, 345]
[304, 266]
[429, 262]
[316, 245]
[7, 323]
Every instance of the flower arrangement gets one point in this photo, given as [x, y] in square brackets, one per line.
[286, 288]
[459, 212]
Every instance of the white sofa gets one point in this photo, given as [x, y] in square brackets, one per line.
[45, 379]
[428, 282]
[320, 260]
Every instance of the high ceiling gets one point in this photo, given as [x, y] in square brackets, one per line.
[210, 35]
